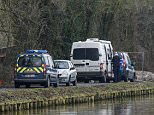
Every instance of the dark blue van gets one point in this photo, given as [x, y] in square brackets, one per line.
[35, 67]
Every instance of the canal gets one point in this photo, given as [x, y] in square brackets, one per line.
[143, 105]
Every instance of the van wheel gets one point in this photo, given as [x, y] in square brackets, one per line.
[47, 84]
[107, 81]
[16, 85]
[102, 80]
[86, 81]
[125, 78]
[131, 80]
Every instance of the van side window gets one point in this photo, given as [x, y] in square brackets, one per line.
[110, 52]
[105, 52]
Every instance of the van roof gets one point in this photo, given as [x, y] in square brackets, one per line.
[93, 40]
[25, 54]
[104, 41]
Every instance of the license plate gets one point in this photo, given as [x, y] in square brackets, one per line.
[29, 75]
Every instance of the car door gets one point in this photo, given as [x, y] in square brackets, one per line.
[50, 70]
[130, 68]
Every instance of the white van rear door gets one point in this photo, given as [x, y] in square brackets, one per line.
[92, 57]
[92, 63]
[86, 59]
[79, 59]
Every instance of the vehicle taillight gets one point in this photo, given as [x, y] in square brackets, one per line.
[45, 69]
[101, 66]
[124, 63]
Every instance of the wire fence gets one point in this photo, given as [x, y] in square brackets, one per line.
[139, 59]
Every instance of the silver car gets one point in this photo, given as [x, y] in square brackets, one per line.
[129, 71]
[66, 72]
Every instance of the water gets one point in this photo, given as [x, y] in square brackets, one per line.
[129, 106]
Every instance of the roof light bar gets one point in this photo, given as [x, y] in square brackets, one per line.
[37, 51]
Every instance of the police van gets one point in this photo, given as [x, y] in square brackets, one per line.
[93, 60]
[35, 67]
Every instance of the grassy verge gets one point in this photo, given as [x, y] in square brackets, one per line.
[17, 99]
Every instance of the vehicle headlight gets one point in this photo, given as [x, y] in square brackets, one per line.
[64, 74]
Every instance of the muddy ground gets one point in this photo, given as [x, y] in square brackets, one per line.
[145, 76]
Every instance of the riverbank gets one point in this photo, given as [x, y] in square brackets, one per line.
[18, 99]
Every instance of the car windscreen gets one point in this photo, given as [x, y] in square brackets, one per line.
[30, 61]
[61, 65]
[86, 54]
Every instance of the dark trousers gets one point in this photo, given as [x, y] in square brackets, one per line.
[116, 74]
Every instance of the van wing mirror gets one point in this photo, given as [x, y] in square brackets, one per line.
[71, 55]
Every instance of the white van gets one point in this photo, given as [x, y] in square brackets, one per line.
[92, 59]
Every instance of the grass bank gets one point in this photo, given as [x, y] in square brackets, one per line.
[19, 99]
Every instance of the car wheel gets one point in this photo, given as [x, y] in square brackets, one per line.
[125, 78]
[74, 83]
[47, 84]
[131, 80]
[135, 77]
[68, 83]
[55, 84]
[16, 85]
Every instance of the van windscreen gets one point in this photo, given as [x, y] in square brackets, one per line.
[30, 61]
[86, 54]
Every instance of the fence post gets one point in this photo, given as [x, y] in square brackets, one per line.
[142, 64]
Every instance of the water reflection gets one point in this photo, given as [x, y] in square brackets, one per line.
[129, 106]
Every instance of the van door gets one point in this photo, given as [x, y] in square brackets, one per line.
[92, 60]
[30, 66]
[79, 57]
[86, 59]
[109, 55]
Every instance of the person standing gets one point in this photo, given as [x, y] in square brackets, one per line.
[116, 66]
[121, 66]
